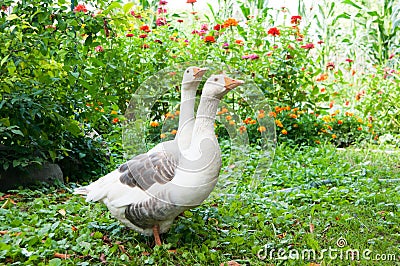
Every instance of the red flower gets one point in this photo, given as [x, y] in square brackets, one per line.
[145, 46]
[145, 28]
[129, 35]
[295, 19]
[142, 36]
[349, 60]
[320, 42]
[218, 27]
[158, 41]
[161, 22]
[308, 46]
[180, 20]
[330, 66]
[115, 120]
[191, 1]
[209, 39]
[80, 8]
[274, 31]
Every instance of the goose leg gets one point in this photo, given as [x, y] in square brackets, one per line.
[156, 233]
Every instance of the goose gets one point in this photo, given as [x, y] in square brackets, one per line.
[150, 190]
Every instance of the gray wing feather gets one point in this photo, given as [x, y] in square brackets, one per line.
[146, 170]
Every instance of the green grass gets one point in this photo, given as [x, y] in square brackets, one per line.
[352, 195]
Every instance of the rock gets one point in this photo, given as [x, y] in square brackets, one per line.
[48, 172]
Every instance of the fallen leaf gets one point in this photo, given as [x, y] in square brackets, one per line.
[314, 264]
[230, 263]
[62, 212]
[172, 250]
[61, 256]
[281, 235]
[103, 258]
[3, 232]
[312, 228]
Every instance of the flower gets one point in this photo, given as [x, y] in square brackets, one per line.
[330, 65]
[158, 41]
[349, 60]
[154, 124]
[274, 31]
[272, 114]
[340, 122]
[99, 49]
[191, 1]
[80, 8]
[161, 21]
[322, 90]
[115, 120]
[232, 123]
[308, 46]
[251, 56]
[284, 132]
[169, 115]
[162, 2]
[334, 136]
[262, 129]
[174, 131]
[161, 10]
[228, 117]
[209, 39]
[180, 20]
[143, 36]
[113, 112]
[218, 27]
[129, 35]
[239, 42]
[278, 123]
[145, 28]
[320, 42]
[204, 27]
[225, 45]
[331, 104]
[230, 22]
[145, 46]
[322, 77]
[294, 116]
[359, 128]
[163, 136]
[261, 115]
[242, 129]
[295, 19]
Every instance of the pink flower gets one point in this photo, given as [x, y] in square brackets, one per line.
[225, 45]
[308, 46]
[204, 27]
[80, 8]
[161, 10]
[251, 56]
[161, 22]
[392, 56]
[99, 49]
[162, 3]
[330, 65]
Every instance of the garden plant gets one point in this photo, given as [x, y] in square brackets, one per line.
[324, 93]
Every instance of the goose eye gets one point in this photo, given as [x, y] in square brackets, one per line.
[216, 79]
[187, 71]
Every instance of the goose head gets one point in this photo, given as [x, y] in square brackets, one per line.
[192, 77]
[218, 85]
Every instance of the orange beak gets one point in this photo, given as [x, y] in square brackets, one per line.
[199, 72]
[230, 84]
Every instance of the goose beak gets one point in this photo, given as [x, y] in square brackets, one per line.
[199, 72]
[230, 84]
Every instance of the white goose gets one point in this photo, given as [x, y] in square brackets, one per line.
[150, 190]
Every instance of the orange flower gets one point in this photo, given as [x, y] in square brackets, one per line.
[359, 128]
[348, 113]
[231, 122]
[317, 141]
[174, 131]
[154, 124]
[284, 132]
[369, 125]
[278, 123]
[209, 39]
[272, 114]
[261, 115]
[293, 116]
[228, 117]
[322, 77]
[177, 112]
[340, 122]
[331, 104]
[169, 115]
[115, 120]
[242, 129]
[239, 42]
[163, 136]
[262, 129]
[230, 22]
[252, 122]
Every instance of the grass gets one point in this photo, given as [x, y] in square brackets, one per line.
[311, 200]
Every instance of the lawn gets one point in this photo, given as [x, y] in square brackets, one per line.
[316, 206]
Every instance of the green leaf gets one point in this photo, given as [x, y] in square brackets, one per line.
[12, 17]
[53, 155]
[127, 7]
[17, 132]
[4, 121]
[4, 60]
